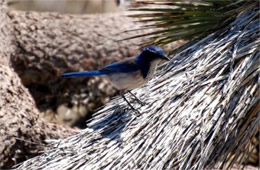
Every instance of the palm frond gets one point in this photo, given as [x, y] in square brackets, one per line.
[179, 19]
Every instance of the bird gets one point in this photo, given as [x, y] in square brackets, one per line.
[129, 73]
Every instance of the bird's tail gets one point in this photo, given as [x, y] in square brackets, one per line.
[84, 73]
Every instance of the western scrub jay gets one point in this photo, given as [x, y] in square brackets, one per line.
[130, 73]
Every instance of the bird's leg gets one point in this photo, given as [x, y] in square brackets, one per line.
[136, 98]
[122, 94]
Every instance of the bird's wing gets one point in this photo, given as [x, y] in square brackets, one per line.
[126, 66]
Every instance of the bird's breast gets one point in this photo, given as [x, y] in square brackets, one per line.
[150, 70]
[132, 80]
[126, 81]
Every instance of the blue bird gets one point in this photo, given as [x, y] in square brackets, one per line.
[130, 73]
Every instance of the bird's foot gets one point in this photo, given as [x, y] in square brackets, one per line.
[136, 99]
[141, 102]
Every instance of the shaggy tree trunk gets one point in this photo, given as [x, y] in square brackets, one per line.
[22, 130]
[201, 111]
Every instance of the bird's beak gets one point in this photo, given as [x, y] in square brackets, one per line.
[164, 57]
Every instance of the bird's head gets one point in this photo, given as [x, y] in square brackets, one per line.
[154, 53]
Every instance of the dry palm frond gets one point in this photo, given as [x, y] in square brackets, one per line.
[181, 19]
[201, 111]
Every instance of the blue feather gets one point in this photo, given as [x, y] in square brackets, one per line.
[129, 65]
[85, 73]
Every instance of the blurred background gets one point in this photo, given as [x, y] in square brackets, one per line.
[70, 6]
